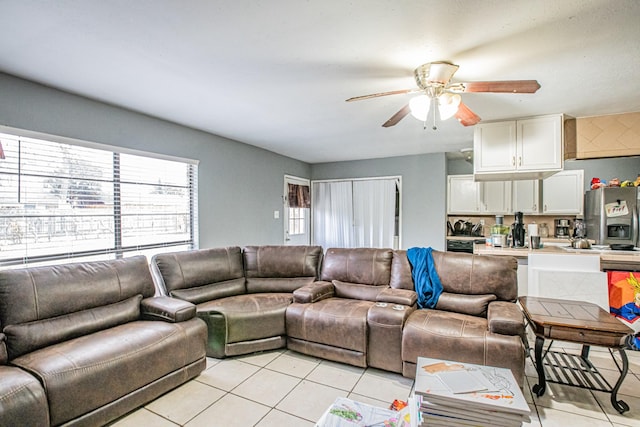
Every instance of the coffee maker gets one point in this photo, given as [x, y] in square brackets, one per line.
[562, 227]
[517, 232]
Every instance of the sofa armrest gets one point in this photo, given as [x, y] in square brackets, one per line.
[397, 296]
[313, 292]
[4, 358]
[168, 309]
[505, 318]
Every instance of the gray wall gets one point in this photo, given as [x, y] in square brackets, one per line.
[239, 186]
[424, 186]
[623, 168]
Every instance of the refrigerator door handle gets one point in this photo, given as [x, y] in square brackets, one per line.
[634, 221]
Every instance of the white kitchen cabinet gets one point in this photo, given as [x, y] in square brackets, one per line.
[563, 193]
[463, 195]
[495, 197]
[526, 196]
[518, 149]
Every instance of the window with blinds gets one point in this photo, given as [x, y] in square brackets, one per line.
[64, 201]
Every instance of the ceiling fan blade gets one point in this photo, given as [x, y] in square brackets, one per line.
[397, 117]
[465, 116]
[375, 95]
[505, 86]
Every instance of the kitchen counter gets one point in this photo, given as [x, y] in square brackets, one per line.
[609, 259]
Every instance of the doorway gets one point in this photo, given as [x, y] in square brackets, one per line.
[297, 211]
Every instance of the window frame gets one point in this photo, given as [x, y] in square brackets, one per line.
[117, 249]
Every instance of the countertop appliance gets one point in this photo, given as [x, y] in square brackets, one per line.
[454, 245]
[611, 215]
[517, 232]
[561, 228]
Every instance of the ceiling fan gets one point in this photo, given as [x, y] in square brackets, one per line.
[434, 82]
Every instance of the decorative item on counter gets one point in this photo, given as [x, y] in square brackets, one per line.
[627, 183]
[614, 182]
[544, 230]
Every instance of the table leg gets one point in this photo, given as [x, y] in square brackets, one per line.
[539, 388]
[620, 405]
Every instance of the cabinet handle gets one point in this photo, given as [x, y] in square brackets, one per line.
[519, 160]
[535, 208]
[544, 208]
[513, 161]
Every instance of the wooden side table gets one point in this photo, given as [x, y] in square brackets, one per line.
[583, 323]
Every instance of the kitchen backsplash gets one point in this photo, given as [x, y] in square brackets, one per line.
[490, 220]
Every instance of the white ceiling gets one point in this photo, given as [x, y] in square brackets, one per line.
[275, 73]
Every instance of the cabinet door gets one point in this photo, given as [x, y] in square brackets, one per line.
[526, 196]
[494, 147]
[563, 193]
[462, 195]
[539, 143]
[495, 197]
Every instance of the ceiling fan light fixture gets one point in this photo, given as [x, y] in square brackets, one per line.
[448, 104]
[419, 106]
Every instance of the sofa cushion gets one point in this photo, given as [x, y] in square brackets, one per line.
[357, 290]
[88, 372]
[337, 322]
[197, 268]
[266, 266]
[247, 317]
[288, 285]
[199, 294]
[26, 337]
[39, 293]
[362, 265]
[475, 305]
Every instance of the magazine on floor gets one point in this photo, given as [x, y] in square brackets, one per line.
[480, 390]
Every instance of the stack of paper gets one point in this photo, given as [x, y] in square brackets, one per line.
[463, 394]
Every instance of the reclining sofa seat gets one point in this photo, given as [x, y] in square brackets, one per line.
[476, 319]
[95, 339]
[351, 315]
[242, 295]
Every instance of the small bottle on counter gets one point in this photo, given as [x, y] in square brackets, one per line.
[543, 230]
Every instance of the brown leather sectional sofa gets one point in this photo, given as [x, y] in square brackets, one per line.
[85, 343]
[356, 306]
[82, 344]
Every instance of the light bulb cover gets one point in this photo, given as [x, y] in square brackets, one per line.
[448, 104]
[419, 107]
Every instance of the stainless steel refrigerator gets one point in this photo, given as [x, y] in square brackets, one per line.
[611, 215]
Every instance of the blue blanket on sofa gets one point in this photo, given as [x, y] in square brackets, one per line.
[425, 277]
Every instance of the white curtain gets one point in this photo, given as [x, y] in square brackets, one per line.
[374, 212]
[350, 214]
[332, 205]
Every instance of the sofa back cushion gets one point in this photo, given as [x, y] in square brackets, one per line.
[462, 273]
[365, 266]
[280, 268]
[73, 299]
[200, 275]
[357, 290]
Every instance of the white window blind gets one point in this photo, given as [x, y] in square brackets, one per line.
[64, 201]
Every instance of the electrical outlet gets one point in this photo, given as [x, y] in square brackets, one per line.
[276, 214]
[482, 222]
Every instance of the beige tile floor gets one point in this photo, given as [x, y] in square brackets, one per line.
[284, 388]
